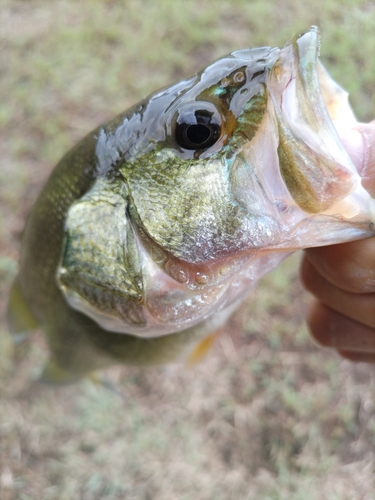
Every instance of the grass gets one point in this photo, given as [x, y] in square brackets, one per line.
[268, 415]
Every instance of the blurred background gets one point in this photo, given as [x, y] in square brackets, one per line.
[267, 414]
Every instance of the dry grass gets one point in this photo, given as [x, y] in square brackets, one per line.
[268, 415]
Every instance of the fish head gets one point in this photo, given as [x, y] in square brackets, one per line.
[202, 186]
[235, 157]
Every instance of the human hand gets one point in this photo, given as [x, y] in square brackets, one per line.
[342, 277]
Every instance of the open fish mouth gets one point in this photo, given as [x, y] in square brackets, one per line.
[314, 165]
[309, 174]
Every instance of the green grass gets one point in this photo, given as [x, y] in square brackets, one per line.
[268, 415]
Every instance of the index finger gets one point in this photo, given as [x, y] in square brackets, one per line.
[359, 141]
[349, 266]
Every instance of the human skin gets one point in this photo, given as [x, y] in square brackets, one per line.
[341, 278]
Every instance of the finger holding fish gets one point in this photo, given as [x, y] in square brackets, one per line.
[350, 338]
[349, 267]
[359, 139]
[342, 277]
[356, 306]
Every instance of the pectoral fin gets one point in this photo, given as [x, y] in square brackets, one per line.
[201, 350]
[55, 375]
[21, 320]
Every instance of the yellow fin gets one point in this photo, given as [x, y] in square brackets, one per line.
[21, 320]
[54, 374]
[200, 351]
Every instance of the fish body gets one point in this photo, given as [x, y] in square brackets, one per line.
[152, 229]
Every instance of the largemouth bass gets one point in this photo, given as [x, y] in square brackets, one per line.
[152, 230]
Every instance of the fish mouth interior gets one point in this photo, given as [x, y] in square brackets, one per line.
[309, 99]
[315, 167]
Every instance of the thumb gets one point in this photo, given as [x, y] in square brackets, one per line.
[359, 141]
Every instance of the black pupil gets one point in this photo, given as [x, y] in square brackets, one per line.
[197, 134]
[198, 130]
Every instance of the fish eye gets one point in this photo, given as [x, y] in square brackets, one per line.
[197, 126]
